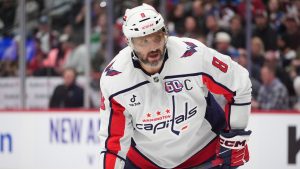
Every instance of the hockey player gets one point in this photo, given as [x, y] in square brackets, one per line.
[157, 108]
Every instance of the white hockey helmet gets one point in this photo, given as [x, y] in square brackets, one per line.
[141, 21]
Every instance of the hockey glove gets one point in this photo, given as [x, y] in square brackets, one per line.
[233, 149]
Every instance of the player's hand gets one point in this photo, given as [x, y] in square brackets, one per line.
[233, 149]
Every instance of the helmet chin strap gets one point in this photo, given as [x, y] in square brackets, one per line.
[135, 57]
[134, 54]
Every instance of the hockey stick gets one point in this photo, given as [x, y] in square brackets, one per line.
[210, 164]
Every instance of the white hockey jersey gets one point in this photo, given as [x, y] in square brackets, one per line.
[169, 119]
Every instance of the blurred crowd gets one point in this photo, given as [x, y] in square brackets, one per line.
[55, 33]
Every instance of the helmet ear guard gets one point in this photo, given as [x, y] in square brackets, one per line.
[166, 31]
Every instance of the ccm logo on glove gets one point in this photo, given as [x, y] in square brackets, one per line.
[232, 144]
[236, 142]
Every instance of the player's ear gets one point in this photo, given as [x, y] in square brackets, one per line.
[166, 31]
[129, 42]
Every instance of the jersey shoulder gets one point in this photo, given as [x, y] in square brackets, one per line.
[193, 52]
[117, 74]
[187, 53]
[186, 48]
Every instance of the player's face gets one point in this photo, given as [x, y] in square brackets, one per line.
[150, 48]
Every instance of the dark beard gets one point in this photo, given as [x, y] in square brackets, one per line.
[147, 62]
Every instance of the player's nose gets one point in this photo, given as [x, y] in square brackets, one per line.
[153, 46]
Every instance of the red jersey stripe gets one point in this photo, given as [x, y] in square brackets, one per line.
[116, 131]
[217, 88]
[138, 160]
[110, 161]
[202, 156]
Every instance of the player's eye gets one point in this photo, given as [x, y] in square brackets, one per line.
[158, 38]
[145, 41]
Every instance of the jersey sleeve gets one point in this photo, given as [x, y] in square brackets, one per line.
[115, 132]
[224, 76]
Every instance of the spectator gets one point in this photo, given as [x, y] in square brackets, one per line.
[264, 31]
[295, 67]
[225, 16]
[272, 94]
[236, 31]
[7, 15]
[96, 11]
[79, 19]
[256, 5]
[258, 52]
[287, 54]
[198, 13]
[68, 30]
[56, 59]
[60, 12]
[212, 28]
[69, 94]
[223, 45]
[276, 16]
[273, 59]
[32, 13]
[255, 70]
[8, 56]
[46, 36]
[99, 32]
[190, 27]
[36, 64]
[95, 88]
[292, 31]
[8, 68]
[77, 59]
[178, 19]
